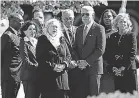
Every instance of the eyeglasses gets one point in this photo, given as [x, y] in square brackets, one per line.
[87, 14]
[68, 18]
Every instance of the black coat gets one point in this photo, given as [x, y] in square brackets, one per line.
[10, 56]
[46, 54]
[125, 47]
[106, 58]
[29, 67]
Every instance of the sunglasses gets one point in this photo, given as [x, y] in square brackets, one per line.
[83, 14]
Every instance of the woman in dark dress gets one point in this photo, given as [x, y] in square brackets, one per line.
[122, 55]
[27, 53]
[53, 58]
[107, 83]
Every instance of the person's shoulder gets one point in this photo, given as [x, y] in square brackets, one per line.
[42, 37]
[79, 27]
[131, 34]
[99, 26]
[7, 33]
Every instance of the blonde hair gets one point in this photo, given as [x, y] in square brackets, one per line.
[120, 17]
[50, 22]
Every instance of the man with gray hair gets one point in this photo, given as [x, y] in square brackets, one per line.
[67, 19]
[90, 43]
[69, 32]
[10, 57]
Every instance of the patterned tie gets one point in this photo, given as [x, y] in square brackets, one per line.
[84, 33]
[70, 35]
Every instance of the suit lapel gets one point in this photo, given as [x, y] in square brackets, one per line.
[89, 32]
[81, 35]
[67, 38]
[49, 43]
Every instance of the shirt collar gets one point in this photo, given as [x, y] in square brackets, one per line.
[89, 25]
[14, 30]
[67, 28]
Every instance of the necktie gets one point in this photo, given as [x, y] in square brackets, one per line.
[70, 35]
[84, 33]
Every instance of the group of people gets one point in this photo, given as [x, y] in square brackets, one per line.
[55, 59]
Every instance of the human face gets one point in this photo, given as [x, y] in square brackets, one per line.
[30, 32]
[87, 16]
[107, 18]
[68, 20]
[122, 24]
[53, 29]
[17, 22]
[39, 16]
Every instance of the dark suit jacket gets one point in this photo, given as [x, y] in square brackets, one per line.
[126, 48]
[92, 49]
[72, 72]
[10, 56]
[70, 45]
[29, 67]
[46, 55]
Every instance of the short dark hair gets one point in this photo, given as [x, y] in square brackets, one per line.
[26, 25]
[37, 10]
[102, 16]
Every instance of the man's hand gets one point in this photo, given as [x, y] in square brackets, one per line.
[73, 64]
[82, 64]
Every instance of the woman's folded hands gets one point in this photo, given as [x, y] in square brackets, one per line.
[118, 71]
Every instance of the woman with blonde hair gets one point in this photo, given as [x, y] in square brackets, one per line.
[53, 58]
[123, 52]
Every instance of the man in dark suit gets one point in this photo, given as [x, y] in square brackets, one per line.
[68, 29]
[10, 58]
[69, 32]
[90, 43]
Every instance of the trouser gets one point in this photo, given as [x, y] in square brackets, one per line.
[73, 76]
[88, 86]
[127, 82]
[94, 84]
[107, 83]
[31, 90]
[10, 88]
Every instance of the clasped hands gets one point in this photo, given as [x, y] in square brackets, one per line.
[80, 64]
[59, 67]
[118, 71]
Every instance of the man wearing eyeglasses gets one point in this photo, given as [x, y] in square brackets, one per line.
[69, 32]
[10, 58]
[90, 43]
